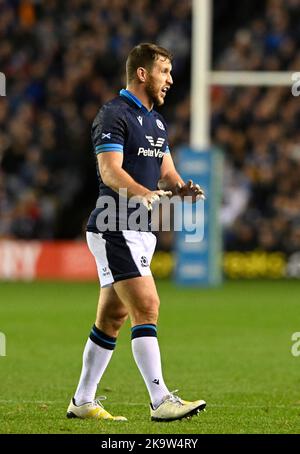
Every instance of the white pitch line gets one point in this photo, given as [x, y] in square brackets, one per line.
[138, 404]
[50, 402]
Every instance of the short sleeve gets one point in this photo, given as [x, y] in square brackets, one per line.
[108, 130]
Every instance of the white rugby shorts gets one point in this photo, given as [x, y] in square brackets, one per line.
[122, 254]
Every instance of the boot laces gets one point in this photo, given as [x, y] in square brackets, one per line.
[97, 402]
[174, 398]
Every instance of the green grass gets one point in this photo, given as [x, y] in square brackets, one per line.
[230, 346]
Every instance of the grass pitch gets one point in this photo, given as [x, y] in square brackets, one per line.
[230, 346]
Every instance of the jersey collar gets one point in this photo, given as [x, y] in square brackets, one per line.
[127, 94]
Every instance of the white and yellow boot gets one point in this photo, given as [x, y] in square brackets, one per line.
[172, 408]
[94, 410]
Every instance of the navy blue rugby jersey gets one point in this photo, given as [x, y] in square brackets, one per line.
[126, 126]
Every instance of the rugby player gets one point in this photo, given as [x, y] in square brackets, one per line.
[131, 146]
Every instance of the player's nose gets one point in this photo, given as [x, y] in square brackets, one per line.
[170, 79]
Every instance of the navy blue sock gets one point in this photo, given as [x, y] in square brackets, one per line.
[146, 330]
[102, 339]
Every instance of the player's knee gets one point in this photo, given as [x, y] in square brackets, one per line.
[118, 321]
[111, 324]
[147, 312]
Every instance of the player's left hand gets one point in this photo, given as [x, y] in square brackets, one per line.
[190, 189]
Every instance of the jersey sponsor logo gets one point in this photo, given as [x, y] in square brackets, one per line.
[160, 124]
[106, 135]
[159, 143]
[140, 120]
[156, 153]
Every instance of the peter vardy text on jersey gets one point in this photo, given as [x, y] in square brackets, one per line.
[156, 153]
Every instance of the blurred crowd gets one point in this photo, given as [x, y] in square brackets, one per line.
[258, 128]
[63, 60]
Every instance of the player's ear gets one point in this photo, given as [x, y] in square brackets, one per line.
[141, 74]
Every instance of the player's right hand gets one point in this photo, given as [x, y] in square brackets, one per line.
[153, 196]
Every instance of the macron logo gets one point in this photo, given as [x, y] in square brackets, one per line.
[140, 120]
[159, 143]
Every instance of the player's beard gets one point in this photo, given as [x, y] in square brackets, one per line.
[153, 91]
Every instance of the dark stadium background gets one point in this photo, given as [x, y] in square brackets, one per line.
[62, 60]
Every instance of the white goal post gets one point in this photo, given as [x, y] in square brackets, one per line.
[203, 77]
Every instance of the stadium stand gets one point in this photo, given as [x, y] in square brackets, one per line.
[63, 60]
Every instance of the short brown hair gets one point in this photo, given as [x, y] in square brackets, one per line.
[144, 55]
